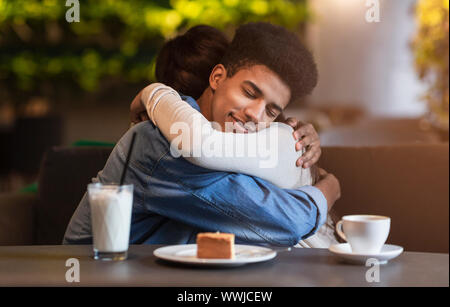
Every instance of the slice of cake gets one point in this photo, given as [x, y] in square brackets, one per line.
[215, 245]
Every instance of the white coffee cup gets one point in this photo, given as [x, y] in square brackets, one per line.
[366, 234]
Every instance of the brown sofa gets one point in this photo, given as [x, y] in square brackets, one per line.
[409, 183]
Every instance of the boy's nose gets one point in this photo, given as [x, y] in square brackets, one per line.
[255, 111]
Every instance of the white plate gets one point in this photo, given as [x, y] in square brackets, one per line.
[187, 253]
[387, 253]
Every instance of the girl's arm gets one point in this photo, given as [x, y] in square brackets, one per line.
[269, 154]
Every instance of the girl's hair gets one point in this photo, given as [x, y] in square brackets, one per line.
[186, 61]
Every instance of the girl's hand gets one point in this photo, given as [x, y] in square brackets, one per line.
[138, 113]
[307, 138]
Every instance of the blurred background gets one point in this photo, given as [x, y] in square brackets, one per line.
[71, 84]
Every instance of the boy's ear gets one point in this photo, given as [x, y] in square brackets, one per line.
[218, 74]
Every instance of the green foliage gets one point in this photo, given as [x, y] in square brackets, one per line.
[114, 40]
[431, 49]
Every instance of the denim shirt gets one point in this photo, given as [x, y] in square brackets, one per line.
[174, 200]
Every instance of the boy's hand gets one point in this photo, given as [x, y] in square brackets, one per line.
[329, 185]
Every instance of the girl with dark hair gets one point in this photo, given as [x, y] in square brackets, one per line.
[185, 63]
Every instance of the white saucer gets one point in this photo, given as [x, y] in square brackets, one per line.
[187, 253]
[387, 253]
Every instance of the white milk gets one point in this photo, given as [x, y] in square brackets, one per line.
[110, 217]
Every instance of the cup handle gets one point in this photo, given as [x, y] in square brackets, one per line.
[339, 230]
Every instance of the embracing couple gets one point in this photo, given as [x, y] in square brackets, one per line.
[237, 90]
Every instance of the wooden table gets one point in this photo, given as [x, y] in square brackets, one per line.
[46, 266]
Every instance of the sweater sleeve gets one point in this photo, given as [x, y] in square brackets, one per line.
[268, 154]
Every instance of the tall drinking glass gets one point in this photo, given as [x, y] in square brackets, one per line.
[111, 207]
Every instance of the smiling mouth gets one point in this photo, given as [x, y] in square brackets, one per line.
[238, 125]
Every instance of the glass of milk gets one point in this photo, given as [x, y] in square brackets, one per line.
[111, 207]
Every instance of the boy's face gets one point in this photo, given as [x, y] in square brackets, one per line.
[254, 94]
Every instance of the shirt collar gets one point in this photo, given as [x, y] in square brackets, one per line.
[191, 101]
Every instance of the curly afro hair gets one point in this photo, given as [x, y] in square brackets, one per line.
[278, 49]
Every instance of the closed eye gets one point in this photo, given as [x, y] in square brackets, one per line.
[273, 109]
[270, 112]
[249, 94]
